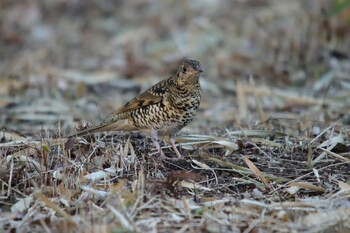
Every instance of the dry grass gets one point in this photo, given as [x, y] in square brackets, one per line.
[268, 152]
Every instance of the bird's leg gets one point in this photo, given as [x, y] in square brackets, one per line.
[156, 143]
[172, 143]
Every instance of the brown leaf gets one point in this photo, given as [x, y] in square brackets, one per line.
[176, 176]
[69, 143]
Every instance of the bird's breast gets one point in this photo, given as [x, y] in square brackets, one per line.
[167, 116]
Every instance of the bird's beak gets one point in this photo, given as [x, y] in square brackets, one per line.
[199, 69]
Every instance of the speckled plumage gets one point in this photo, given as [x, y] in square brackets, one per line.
[162, 110]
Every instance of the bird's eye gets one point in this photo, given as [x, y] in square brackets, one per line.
[184, 69]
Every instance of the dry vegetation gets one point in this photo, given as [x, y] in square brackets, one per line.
[269, 150]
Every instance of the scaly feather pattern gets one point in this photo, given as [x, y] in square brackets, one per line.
[162, 110]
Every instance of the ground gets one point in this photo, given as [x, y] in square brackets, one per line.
[269, 150]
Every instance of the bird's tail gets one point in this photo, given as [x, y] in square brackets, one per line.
[121, 125]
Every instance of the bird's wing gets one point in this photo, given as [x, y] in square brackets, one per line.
[117, 119]
[152, 96]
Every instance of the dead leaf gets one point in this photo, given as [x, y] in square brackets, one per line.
[257, 172]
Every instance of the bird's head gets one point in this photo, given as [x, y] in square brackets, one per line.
[188, 72]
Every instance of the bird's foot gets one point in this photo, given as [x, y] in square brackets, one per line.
[172, 143]
[163, 157]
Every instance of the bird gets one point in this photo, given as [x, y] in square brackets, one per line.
[162, 110]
